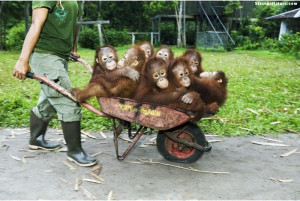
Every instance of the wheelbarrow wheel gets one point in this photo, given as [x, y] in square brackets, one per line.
[177, 152]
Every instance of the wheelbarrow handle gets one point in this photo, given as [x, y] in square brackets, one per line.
[73, 57]
[30, 75]
[63, 91]
[82, 61]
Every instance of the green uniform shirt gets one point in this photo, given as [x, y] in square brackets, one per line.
[58, 33]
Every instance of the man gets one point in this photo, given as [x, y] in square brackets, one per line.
[47, 46]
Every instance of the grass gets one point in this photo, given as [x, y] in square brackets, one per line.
[263, 93]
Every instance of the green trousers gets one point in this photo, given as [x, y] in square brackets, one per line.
[51, 101]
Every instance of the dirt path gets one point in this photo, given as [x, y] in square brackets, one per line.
[255, 171]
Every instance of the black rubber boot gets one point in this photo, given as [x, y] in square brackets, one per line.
[75, 152]
[38, 129]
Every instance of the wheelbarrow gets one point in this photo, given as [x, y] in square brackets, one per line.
[178, 139]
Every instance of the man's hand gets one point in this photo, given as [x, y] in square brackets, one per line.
[21, 68]
[75, 54]
[39, 16]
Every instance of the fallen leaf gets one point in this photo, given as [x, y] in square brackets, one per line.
[70, 166]
[103, 135]
[125, 139]
[153, 139]
[285, 180]
[97, 154]
[97, 177]
[88, 134]
[143, 145]
[270, 144]
[275, 122]
[289, 153]
[76, 184]
[269, 139]
[92, 181]
[63, 149]
[110, 195]
[211, 141]
[247, 129]
[88, 194]
[65, 181]
[16, 158]
[253, 111]
[96, 169]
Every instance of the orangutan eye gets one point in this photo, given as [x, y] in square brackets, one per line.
[104, 58]
[162, 74]
[156, 76]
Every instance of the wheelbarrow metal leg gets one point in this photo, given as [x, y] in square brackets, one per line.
[134, 141]
[132, 136]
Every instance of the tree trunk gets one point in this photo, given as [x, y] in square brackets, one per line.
[179, 24]
[1, 6]
[184, 25]
[26, 17]
[78, 26]
[1, 25]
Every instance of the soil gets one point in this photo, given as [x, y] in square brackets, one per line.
[246, 170]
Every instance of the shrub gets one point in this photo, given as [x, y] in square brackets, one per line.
[251, 45]
[89, 38]
[117, 38]
[269, 44]
[16, 36]
[256, 33]
[290, 43]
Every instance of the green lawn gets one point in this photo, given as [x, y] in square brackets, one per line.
[263, 93]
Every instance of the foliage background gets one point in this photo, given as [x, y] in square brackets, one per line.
[263, 83]
[251, 33]
[263, 92]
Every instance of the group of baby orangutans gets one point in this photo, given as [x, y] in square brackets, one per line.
[156, 78]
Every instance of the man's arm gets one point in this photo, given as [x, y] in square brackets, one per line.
[39, 16]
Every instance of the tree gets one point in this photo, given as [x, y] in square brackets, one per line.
[10, 16]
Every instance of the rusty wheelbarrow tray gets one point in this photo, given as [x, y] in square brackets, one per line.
[178, 139]
[185, 142]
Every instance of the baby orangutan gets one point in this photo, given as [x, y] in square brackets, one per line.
[121, 82]
[147, 48]
[165, 53]
[212, 86]
[155, 88]
[180, 75]
[195, 61]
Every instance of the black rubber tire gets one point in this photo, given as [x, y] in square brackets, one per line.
[170, 151]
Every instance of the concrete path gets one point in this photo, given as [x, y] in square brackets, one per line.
[254, 171]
